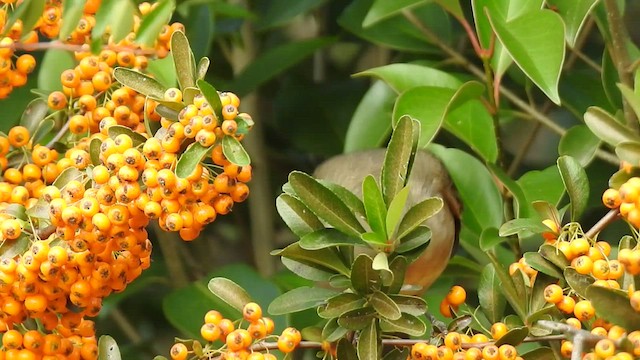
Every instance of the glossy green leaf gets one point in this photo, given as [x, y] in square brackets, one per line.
[53, 64]
[34, 113]
[574, 13]
[163, 71]
[281, 12]
[479, 193]
[332, 331]
[607, 128]
[407, 324]
[10, 249]
[326, 258]
[514, 336]
[395, 168]
[117, 15]
[542, 185]
[415, 239]
[381, 264]
[452, 6]
[575, 181]
[403, 77]
[116, 130]
[152, 23]
[398, 267]
[350, 199]
[418, 214]
[383, 9]
[274, 61]
[522, 225]
[211, 94]
[234, 151]
[307, 270]
[538, 307]
[190, 159]
[522, 208]
[368, 344]
[325, 204]
[411, 305]
[490, 238]
[229, 292]
[370, 124]
[324, 238]
[363, 277]
[384, 305]
[580, 143]
[139, 82]
[396, 209]
[539, 263]
[613, 305]
[71, 14]
[511, 290]
[357, 319]
[108, 348]
[299, 299]
[376, 209]
[183, 60]
[629, 152]
[578, 282]
[68, 174]
[43, 129]
[28, 11]
[340, 304]
[554, 255]
[297, 216]
[492, 302]
[345, 350]
[472, 123]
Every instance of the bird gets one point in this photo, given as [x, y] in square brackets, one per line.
[428, 178]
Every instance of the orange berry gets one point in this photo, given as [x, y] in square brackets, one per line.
[252, 312]
[611, 198]
[179, 351]
[457, 295]
[18, 136]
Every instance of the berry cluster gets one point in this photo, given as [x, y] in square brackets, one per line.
[457, 295]
[451, 349]
[238, 341]
[624, 199]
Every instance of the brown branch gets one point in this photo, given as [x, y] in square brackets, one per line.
[610, 217]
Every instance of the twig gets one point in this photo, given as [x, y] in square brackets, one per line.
[71, 47]
[610, 217]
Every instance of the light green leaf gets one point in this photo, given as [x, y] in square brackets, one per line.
[152, 23]
[29, 11]
[139, 82]
[370, 124]
[53, 64]
[374, 205]
[307, 271]
[407, 324]
[108, 348]
[324, 238]
[452, 6]
[613, 305]
[607, 128]
[211, 94]
[115, 130]
[325, 258]
[299, 299]
[492, 302]
[234, 151]
[573, 13]
[296, 215]
[340, 304]
[576, 182]
[539, 263]
[280, 12]
[384, 305]
[629, 152]
[9, 250]
[580, 143]
[202, 68]
[383, 9]
[71, 14]
[578, 282]
[33, 114]
[395, 168]
[368, 342]
[472, 123]
[43, 129]
[363, 278]
[381, 264]
[183, 60]
[542, 185]
[490, 238]
[411, 305]
[396, 209]
[357, 319]
[540, 54]
[402, 77]
[190, 158]
[118, 15]
[163, 71]
[229, 292]
[522, 225]
[413, 240]
[418, 214]
[631, 97]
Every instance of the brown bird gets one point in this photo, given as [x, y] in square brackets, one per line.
[428, 178]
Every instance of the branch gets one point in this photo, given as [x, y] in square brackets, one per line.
[70, 47]
[610, 217]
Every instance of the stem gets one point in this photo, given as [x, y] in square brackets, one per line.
[70, 47]
[620, 56]
[610, 217]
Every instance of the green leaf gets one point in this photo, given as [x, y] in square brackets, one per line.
[631, 97]
[229, 292]
[364, 278]
[163, 71]
[407, 324]
[299, 299]
[152, 23]
[398, 267]
[71, 14]
[396, 209]
[324, 203]
[324, 238]
[326, 258]
[452, 6]
[340, 304]
[183, 60]
[629, 152]
[139, 82]
[332, 331]
[274, 61]
[580, 143]
[383, 9]
[137, 138]
[40, 210]
[34, 113]
[190, 158]
[573, 13]
[345, 350]
[384, 305]
[68, 174]
[522, 225]
[211, 94]
[357, 319]
[29, 11]
[402, 77]
[108, 348]
[411, 305]
[307, 271]
[541, 353]
[607, 128]
[472, 123]
[554, 255]
[490, 238]
[370, 125]
[613, 306]
[413, 240]
[53, 64]
[578, 282]
[234, 151]
[10, 249]
[297, 216]
[116, 14]
[350, 199]
[43, 129]
[281, 12]
[18, 211]
[492, 302]
[514, 336]
[368, 342]
[202, 68]
[539, 263]
[395, 168]
[575, 181]
[418, 214]
[381, 264]
[542, 185]
[540, 54]
[374, 205]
